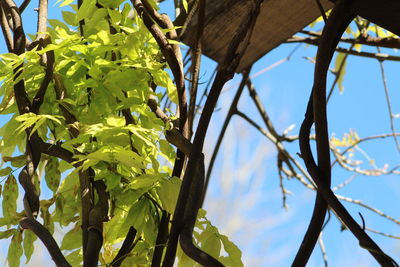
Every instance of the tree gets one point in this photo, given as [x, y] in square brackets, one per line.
[95, 112]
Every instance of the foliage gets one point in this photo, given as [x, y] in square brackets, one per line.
[102, 71]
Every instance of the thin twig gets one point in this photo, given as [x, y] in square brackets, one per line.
[386, 89]
[381, 233]
[378, 56]
[362, 204]
[387, 42]
[309, 183]
[323, 250]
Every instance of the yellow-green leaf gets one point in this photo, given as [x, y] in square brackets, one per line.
[52, 174]
[15, 250]
[340, 61]
[10, 195]
[66, 2]
[168, 191]
[6, 234]
[29, 238]
[6, 171]
[72, 239]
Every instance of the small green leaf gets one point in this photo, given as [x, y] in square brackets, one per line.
[15, 250]
[17, 161]
[66, 2]
[70, 18]
[29, 238]
[72, 239]
[168, 191]
[340, 61]
[6, 234]
[185, 5]
[52, 174]
[6, 171]
[235, 255]
[75, 257]
[10, 195]
[87, 8]
[212, 245]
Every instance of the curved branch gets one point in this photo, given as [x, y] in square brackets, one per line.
[337, 22]
[232, 111]
[24, 5]
[195, 68]
[225, 72]
[194, 252]
[190, 215]
[5, 27]
[341, 15]
[47, 239]
[126, 247]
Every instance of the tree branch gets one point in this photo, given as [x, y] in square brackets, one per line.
[97, 216]
[339, 19]
[377, 56]
[232, 111]
[47, 239]
[23, 6]
[195, 68]
[126, 247]
[387, 42]
[225, 72]
[5, 27]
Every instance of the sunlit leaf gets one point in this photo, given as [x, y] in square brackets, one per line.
[52, 174]
[72, 239]
[15, 250]
[10, 195]
[340, 64]
[6, 234]
[29, 238]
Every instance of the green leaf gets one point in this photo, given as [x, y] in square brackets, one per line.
[212, 245]
[66, 2]
[15, 250]
[87, 8]
[29, 119]
[6, 234]
[52, 174]
[235, 255]
[29, 238]
[111, 3]
[185, 5]
[70, 18]
[10, 195]
[72, 239]
[75, 257]
[13, 220]
[17, 161]
[135, 216]
[340, 59]
[6, 171]
[166, 150]
[168, 191]
[143, 181]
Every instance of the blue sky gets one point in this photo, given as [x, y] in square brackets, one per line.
[245, 200]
